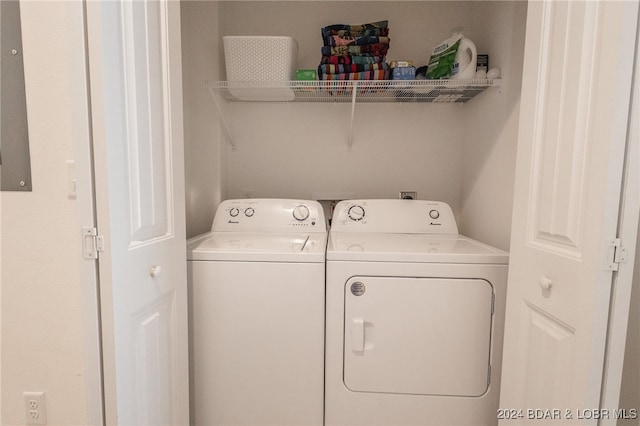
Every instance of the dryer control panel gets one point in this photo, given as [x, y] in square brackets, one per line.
[394, 216]
[269, 215]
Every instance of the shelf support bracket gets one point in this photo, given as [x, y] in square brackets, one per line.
[223, 119]
[353, 114]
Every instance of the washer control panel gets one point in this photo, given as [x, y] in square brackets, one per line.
[269, 215]
[394, 216]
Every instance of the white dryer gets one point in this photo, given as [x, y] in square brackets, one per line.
[414, 317]
[257, 304]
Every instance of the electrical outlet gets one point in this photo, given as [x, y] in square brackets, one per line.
[35, 408]
[408, 195]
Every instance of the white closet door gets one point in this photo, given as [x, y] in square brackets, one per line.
[573, 124]
[136, 101]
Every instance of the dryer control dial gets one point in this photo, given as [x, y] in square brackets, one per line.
[234, 212]
[434, 214]
[301, 213]
[356, 213]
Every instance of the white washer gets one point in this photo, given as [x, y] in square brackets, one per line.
[414, 317]
[257, 298]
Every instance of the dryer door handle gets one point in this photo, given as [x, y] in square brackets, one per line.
[357, 335]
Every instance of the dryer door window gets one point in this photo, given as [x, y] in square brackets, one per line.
[427, 336]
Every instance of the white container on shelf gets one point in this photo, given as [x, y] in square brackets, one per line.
[259, 67]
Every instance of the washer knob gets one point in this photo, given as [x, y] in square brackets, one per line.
[356, 213]
[249, 211]
[234, 212]
[434, 214]
[301, 212]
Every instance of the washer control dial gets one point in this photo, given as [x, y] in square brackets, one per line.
[356, 213]
[301, 213]
[249, 211]
[234, 212]
[434, 214]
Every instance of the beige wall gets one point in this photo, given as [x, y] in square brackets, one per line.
[43, 340]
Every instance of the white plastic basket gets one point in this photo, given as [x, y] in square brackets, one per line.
[260, 58]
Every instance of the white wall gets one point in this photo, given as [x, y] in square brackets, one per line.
[299, 150]
[488, 166]
[204, 169]
[42, 307]
[295, 150]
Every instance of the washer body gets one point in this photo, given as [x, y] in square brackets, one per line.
[257, 298]
[415, 317]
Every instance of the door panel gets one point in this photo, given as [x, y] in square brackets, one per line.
[154, 357]
[145, 89]
[135, 64]
[559, 170]
[426, 336]
[549, 345]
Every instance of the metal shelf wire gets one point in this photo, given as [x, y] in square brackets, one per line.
[438, 91]
[363, 91]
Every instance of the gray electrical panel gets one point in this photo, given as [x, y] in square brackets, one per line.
[15, 163]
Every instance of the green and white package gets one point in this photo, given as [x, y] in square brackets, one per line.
[443, 58]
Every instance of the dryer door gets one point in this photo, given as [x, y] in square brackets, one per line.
[428, 336]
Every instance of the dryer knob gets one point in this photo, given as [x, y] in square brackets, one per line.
[234, 212]
[301, 213]
[356, 213]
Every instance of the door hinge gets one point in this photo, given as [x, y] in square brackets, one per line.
[616, 254]
[92, 243]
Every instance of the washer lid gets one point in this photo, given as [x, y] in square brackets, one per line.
[379, 247]
[258, 247]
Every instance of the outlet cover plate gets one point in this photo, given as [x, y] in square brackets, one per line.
[408, 195]
[35, 408]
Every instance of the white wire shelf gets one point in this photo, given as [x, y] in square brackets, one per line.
[354, 92]
[430, 91]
